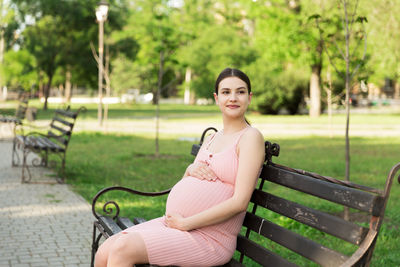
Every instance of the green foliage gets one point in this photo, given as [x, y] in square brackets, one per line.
[267, 39]
[280, 73]
[19, 69]
[216, 48]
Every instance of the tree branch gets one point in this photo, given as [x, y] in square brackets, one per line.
[96, 57]
[326, 49]
[364, 54]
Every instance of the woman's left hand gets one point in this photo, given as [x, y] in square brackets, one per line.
[177, 221]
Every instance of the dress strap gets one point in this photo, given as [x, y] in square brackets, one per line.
[240, 134]
[211, 140]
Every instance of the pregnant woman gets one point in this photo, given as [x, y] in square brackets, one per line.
[206, 208]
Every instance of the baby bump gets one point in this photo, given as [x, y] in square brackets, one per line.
[191, 195]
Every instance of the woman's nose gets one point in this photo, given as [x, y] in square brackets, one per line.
[233, 97]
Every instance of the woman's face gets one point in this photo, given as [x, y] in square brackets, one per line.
[233, 97]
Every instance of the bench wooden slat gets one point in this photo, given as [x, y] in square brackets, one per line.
[109, 225]
[124, 222]
[60, 120]
[60, 139]
[40, 141]
[330, 224]
[10, 120]
[340, 194]
[295, 242]
[138, 220]
[66, 113]
[61, 130]
[32, 141]
[53, 146]
[260, 254]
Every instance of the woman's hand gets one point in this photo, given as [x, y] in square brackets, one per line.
[201, 171]
[175, 220]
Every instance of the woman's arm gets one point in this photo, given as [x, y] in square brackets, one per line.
[251, 158]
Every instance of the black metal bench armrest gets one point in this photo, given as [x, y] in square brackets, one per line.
[109, 210]
[28, 127]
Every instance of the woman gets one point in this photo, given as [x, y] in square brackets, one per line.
[206, 208]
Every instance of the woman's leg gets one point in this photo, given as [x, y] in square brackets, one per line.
[101, 256]
[126, 250]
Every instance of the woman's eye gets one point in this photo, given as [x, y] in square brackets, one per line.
[225, 92]
[242, 92]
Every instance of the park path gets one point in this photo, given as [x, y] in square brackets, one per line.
[41, 224]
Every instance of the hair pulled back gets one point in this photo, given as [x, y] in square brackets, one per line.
[229, 72]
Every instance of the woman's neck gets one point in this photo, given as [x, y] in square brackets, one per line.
[233, 126]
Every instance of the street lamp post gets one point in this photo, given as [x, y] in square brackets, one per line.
[101, 15]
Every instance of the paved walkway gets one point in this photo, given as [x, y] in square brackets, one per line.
[41, 224]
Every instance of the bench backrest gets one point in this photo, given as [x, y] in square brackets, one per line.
[279, 218]
[61, 126]
[20, 112]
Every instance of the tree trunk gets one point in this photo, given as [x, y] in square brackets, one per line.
[1, 60]
[396, 90]
[315, 82]
[347, 60]
[107, 79]
[46, 92]
[67, 95]
[188, 78]
[329, 101]
[315, 91]
[158, 94]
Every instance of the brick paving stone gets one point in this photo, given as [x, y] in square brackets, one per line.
[42, 224]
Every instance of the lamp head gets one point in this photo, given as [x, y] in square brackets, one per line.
[102, 10]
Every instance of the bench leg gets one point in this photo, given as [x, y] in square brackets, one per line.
[25, 166]
[62, 171]
[45, 159]
[95, 244]
[15, 160]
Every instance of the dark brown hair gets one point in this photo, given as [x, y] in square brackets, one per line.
[229, 72]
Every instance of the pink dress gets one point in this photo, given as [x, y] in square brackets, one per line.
[207, 246]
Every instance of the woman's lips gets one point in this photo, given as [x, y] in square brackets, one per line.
[233, 106]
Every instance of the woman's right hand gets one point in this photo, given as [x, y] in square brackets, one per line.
[201, 171]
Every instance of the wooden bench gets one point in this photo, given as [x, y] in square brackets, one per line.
[272, 220]
[55, 141]
[19, 116]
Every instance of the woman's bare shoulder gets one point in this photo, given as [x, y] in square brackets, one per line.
[252, 136]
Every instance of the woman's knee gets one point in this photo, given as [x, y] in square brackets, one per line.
[100, 259]
[129, 248]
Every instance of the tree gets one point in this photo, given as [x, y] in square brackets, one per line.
[76, 28]
[354, 36]
[219, 40]
[40, 42]
[278, 72]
